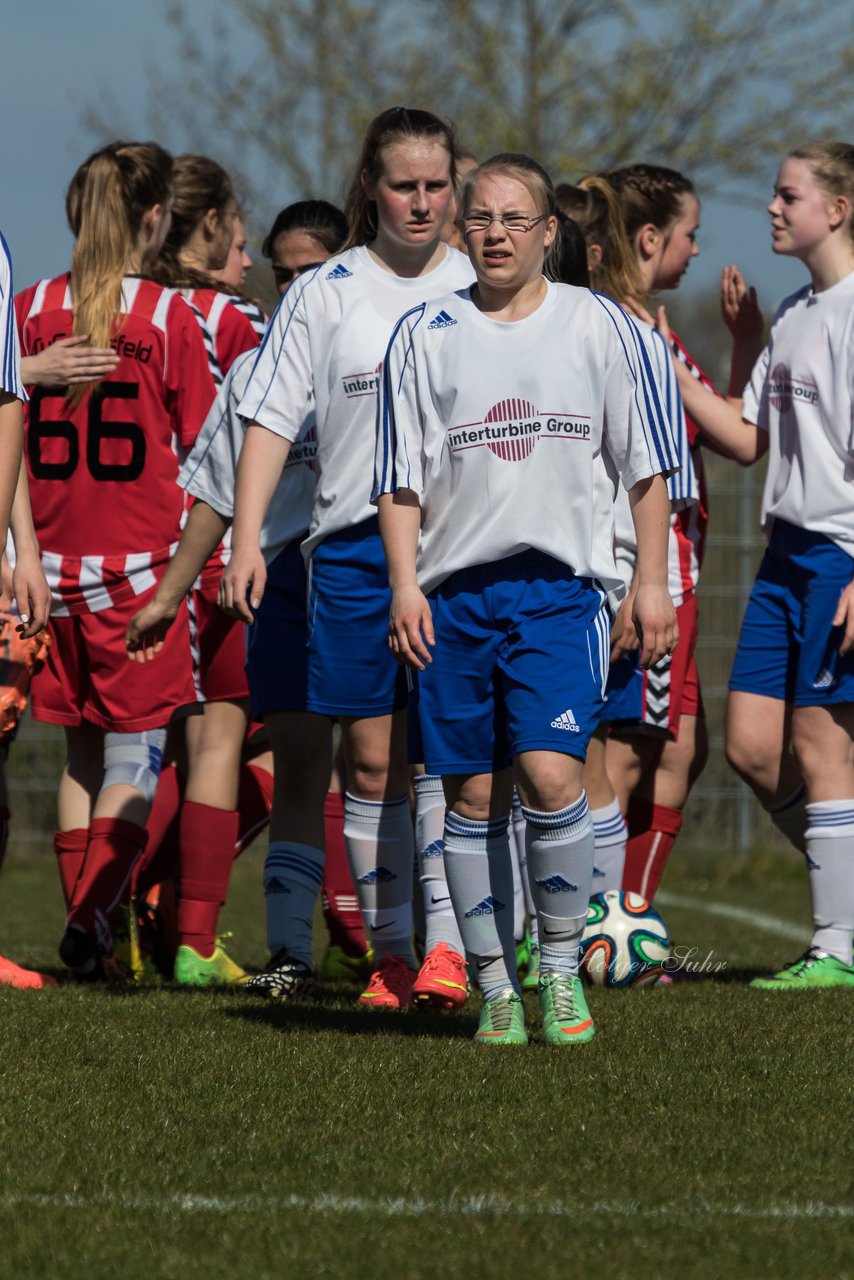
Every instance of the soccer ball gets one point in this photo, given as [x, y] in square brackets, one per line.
[625, 941]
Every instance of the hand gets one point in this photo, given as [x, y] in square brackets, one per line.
[844, 617]
[147, 629]
[740, 307]
[32, 594]
[245, 574]
[636, 308]
[624, 636]
[655, 619]
[410, 628]
[68, 362]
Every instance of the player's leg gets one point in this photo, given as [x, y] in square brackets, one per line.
[348, 954]
[609, 825]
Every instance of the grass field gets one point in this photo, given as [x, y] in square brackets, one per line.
[164, 1134]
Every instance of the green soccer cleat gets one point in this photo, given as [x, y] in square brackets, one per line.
[338, 966]
[502, 1020]
[523, 952]
[566, 1018]
[218, 970]
[531, 980]
[813, 970]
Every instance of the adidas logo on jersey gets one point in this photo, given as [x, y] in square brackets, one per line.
[275, 885]
[441, 321]
[434, 850]
[380, 875]
[338, 273]
[566, 720]
[486, 907]
[557, 884]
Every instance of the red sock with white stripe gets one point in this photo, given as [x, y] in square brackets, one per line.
[104, 880]
[653, 829]
[70, 850]
[340, 905]
[254, 800]
[208, 838]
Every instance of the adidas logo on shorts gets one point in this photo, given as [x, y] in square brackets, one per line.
[486, 907]
[380, 875]
[566, 720]
[441, 321]
[338, 273]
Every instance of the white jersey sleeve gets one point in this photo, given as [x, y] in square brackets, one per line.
[210, 470]
[10, 367]
[280, 390]
[514, 435]
[801, 392]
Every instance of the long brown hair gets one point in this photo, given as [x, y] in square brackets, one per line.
[105, 203]
[595, 208]
[397, 124]
[199, 184]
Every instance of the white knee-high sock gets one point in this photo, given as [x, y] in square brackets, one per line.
[292, 877]
[560, 867]
[380, 850]
[610, 833]
[830, 861]
[517, 863]
[480, 878]
[518, 828]
[790, 818]
[441, 923]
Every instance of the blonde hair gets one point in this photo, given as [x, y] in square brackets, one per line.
[595, 207]
[105, 203]
[832, 166]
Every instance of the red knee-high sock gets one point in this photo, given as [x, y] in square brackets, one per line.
[208, 837]
[104, 881]
[70, 850]
[254, 800]
[340, 905]
[653, 828]
[160, 860]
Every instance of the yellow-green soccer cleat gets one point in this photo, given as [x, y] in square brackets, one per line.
[338, 966]
[531, 980]
[566, 1018]
[218, 970]
[810, 972]
[502, 1020]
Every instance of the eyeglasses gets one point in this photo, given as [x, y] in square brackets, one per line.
[509, 221]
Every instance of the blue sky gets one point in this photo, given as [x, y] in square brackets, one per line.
[60, 54]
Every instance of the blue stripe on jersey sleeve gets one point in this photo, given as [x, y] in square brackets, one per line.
[654, 424]
[681, 486]
[386, 479]
[292, 298]
[10, 373]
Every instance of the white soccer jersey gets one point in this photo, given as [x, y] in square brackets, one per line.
[10, 364]
[514, 435]
[327, 339]
[801, 392]
[209, 471]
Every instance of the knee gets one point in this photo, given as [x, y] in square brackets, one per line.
[554, 783]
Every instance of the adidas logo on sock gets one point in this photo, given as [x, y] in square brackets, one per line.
[486, 907]
[275, 885]
[380, 875]
[566, 720]
[338, 273]
[441, 321]
[557, 884]
[597, 874]
[434, 850]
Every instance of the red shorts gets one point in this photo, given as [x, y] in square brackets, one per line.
[88, 676]
[671, 689]
[220, 642]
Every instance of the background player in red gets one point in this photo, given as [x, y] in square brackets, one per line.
[107, 510]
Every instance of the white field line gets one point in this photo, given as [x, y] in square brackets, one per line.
[754, 919]
[403, 1207]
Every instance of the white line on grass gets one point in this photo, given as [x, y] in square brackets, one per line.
[756, 919]
[401, 1207]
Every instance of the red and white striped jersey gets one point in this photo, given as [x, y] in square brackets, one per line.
[235, 324]
[690, 525]
[103, 474]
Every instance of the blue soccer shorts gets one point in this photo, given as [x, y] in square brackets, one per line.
[520, 664]
[788, 647]
[351, 670]
[277, 641]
